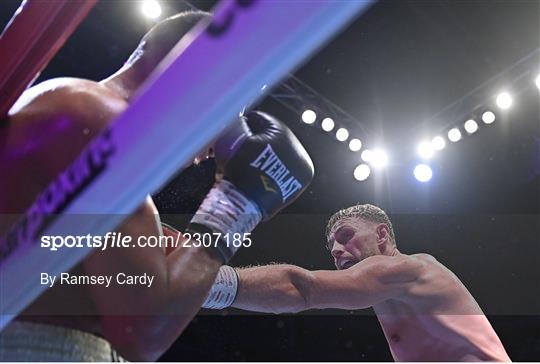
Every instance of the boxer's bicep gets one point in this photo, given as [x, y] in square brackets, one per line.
[363, 285]
[128, 312]
[346, 289]
[133, 261]
[143, 319]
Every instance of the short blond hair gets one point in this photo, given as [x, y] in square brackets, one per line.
[365, 212]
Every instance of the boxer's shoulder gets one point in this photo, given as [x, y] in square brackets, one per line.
[434, 268]
[400, 258]
[64, 114]
[424, 257]
[402, 266]
[75, 97]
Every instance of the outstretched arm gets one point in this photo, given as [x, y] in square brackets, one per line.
[288, 288]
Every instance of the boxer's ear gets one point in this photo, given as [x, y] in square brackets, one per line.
[383, 235]
[383, 238]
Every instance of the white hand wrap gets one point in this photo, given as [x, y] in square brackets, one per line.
[223, 291]
[227, 211]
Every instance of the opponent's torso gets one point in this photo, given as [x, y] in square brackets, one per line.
[438, 320]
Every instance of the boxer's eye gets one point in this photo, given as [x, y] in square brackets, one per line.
[344, 234]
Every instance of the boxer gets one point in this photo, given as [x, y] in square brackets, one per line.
[425, 312]
[47, 128]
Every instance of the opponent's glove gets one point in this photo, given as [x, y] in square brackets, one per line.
[262, 167]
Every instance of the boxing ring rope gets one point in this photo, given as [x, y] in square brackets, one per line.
[31, 39]
[195, 93]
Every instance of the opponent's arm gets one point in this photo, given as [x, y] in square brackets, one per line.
[288, 288]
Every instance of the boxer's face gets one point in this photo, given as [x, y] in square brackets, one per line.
[353, 240]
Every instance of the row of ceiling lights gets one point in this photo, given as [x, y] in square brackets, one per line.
[378, 158]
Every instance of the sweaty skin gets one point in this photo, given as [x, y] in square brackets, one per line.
[45, 130]
[426, 313]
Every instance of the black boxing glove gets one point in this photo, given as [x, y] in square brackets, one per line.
[262, 168]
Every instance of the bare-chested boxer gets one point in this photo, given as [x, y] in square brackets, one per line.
[46, 129]
[426, 313]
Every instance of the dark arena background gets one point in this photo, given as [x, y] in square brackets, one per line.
[402, 73]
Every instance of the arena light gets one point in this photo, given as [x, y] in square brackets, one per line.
[355, 145]
[470, 126]
[362, 172]
[309, 116]
[425, 150]
[366, 155]
[488, 117]
[151, 9]
[504, 100]
[454, 135]
[379, 158]
[537, 81]
[438, 143]
[342, 134]
[327, 124]
[423, 173]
